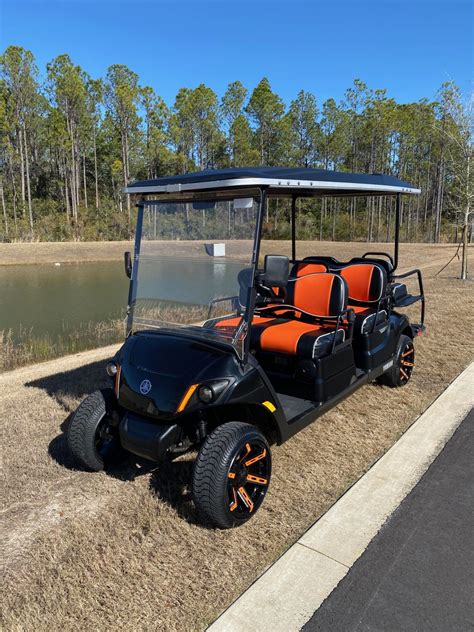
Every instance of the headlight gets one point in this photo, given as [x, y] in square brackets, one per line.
[205, 394]
[111, 369]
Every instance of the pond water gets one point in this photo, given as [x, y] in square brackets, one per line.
[49, 298]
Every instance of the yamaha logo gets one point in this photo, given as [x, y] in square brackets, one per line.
[145, 387]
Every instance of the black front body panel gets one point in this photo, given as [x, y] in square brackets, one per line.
[168, 364]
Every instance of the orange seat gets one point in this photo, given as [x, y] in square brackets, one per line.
[287, 330]
[366, 283]
[315, 294]
[300, 269]
[294, 337]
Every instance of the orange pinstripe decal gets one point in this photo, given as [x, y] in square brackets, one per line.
[256, 458]
[246, 498]
[256, 479]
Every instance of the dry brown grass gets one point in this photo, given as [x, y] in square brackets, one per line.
[67, 252]
[62, 252]
[124, 550]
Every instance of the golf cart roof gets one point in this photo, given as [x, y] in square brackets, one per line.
[304, 182]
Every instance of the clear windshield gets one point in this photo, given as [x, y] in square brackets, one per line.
[194, 267]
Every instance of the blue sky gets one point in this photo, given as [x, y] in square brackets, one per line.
[407, 46]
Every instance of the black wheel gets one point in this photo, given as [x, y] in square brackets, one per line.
[91, 439]
[231, 474]
[404, 361]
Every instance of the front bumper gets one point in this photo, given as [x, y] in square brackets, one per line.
[147, 438]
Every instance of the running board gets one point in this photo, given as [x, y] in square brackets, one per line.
[301, 421]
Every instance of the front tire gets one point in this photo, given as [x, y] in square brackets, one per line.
[403, 363]
[92, 441]
[231, 475]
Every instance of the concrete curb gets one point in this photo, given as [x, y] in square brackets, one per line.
[289, 592]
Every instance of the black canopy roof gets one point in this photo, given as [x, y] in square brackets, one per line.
[304, 180]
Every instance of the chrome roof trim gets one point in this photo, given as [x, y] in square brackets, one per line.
[274, 183]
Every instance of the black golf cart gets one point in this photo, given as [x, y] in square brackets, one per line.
[229, 354]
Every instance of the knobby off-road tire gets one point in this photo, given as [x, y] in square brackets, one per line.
[404, 361]
[89, 438]
[231, 475]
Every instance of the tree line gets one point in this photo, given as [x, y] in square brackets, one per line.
[69, 143]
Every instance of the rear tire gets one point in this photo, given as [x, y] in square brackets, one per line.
[93, 443]
[403, 363]
[231, 475]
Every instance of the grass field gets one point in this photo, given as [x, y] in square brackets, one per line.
[77, 251]
[62, 252]
[124, 550]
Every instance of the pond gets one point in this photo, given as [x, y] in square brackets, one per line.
[49, 298]
[51, 310]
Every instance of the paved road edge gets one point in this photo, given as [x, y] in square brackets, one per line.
[285, 597]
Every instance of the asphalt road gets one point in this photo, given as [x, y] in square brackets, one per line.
[417, 574]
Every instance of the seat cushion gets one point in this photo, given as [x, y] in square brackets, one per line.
[229, 324]
[294, 337]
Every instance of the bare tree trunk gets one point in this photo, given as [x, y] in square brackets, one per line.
[379, 219]
[22, 172]
[127, 174]
[12, 177]
[370, 220]
[66, 194]
[96, 176]
[466, 225]
[389, 217]
[351, 219]
[72, 175]
[5, 217]
[407, 237]
[28, 184]
[438, 209]
[78, 179]
[323, 213]
[441, 198]
[333, 209]
[417, 218]
[427, 189]
[84, 180]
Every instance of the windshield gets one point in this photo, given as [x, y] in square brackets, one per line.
[194, 267]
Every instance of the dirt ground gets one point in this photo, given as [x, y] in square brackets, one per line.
[124, 550]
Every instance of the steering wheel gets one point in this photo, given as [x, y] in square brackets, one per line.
[269, 295]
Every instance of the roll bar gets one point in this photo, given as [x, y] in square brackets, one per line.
[393, 261]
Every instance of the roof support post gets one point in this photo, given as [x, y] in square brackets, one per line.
[132, 288]
[293, 228]
[397, 229]
[252, 292]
